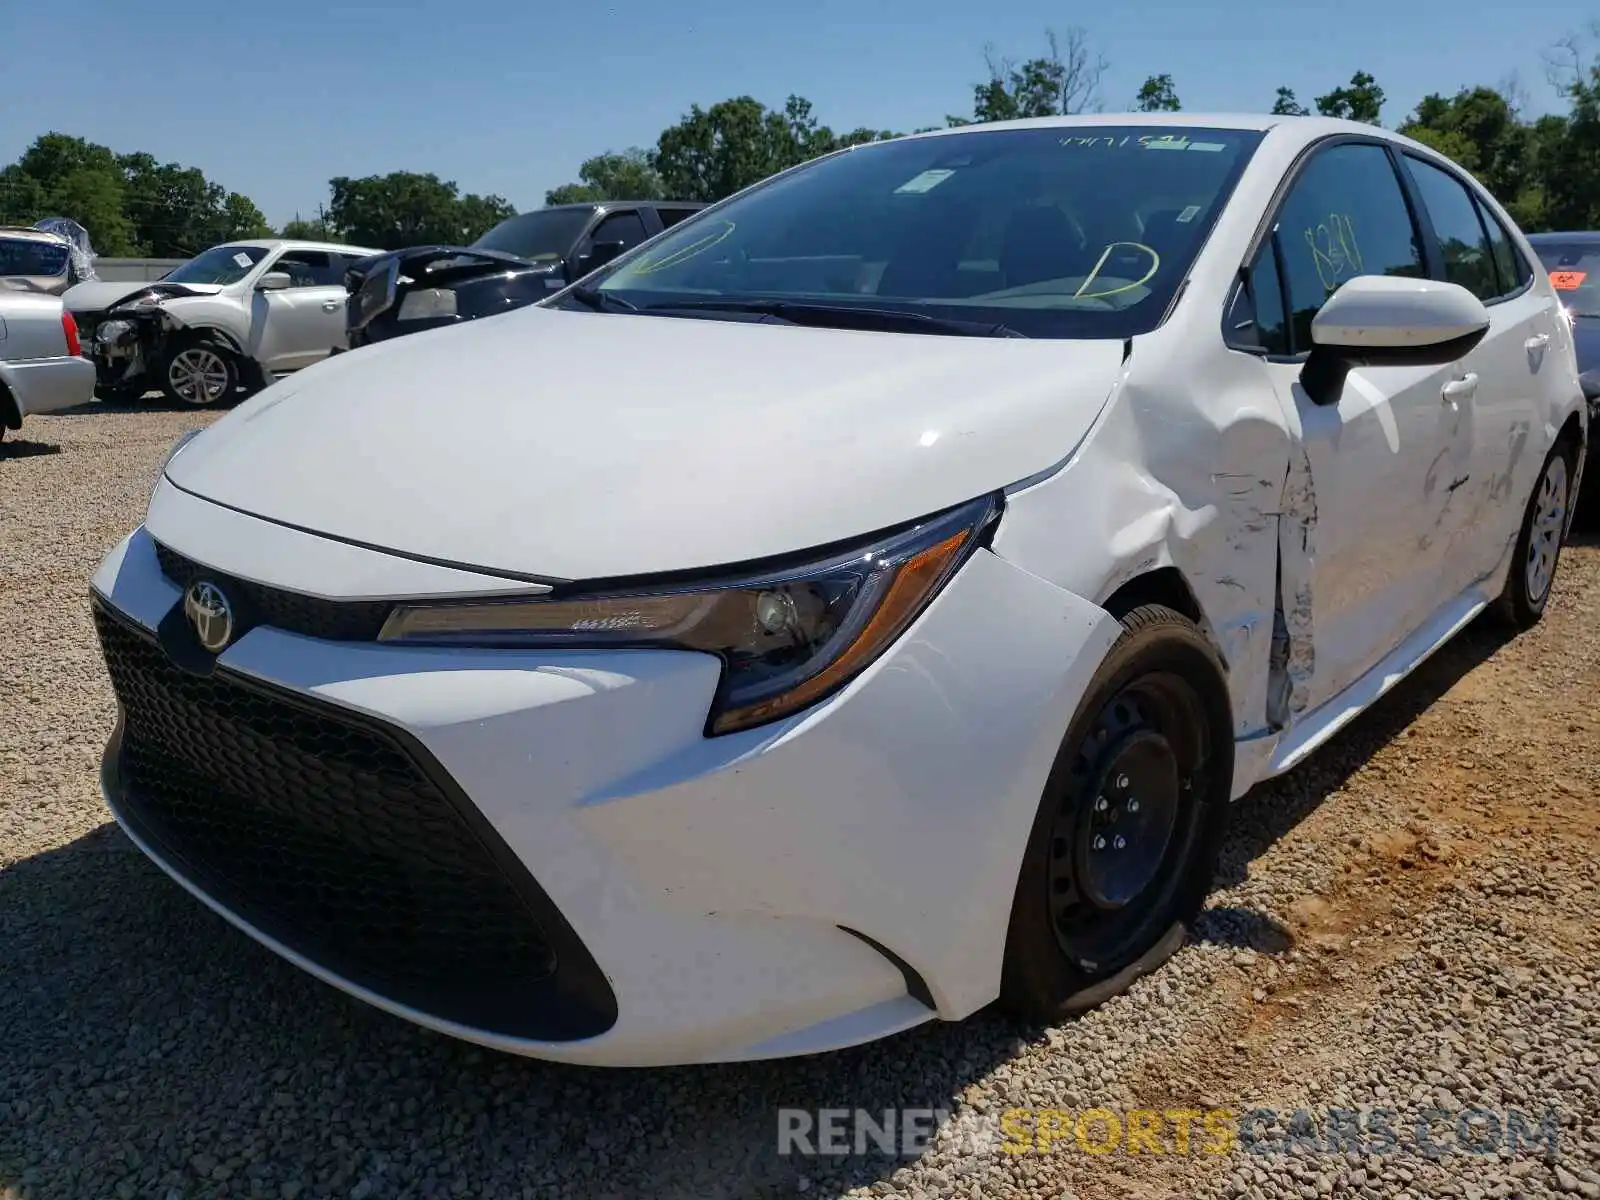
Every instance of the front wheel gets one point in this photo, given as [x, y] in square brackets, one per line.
[1125, 842]
[1538, 549]
[198, 373]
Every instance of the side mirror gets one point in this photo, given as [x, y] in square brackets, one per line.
[1389, 321]
[275, 281]
[599, 255]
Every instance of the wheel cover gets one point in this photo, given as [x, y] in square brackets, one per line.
[1125, 822]
[198, 375]
[1548, 525]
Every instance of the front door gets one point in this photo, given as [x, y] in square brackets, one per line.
[299, 325]
[1362, 551]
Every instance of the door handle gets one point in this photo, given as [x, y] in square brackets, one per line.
[1537, 342]
[1459, 389]
[332, 305]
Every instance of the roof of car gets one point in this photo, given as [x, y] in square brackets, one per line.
[298, 244]
[1311, 127]
[28, 233]
[623, 204]
[1583, 237]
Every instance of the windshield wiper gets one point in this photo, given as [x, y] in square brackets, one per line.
[843, 316]
[601, 301]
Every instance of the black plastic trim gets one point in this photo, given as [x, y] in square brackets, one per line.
[916, 986]
[573, 1003]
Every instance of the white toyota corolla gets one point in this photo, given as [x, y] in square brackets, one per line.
[758, 649]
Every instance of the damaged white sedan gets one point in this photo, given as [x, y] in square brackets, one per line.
[856, 604]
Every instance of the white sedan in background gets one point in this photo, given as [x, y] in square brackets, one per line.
[41, 368]
[778, 653]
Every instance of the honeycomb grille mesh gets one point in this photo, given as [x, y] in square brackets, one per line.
[315, 827]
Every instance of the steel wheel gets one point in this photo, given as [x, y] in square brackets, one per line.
[1125, 822]
[1548, 527]
[199, 375]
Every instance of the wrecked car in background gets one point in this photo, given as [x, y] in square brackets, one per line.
[520, 261]
[50, 256]
[236, 316]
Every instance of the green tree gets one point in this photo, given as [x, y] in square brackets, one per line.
[1360, 100]
[1565, 152]
[714, 152]
[1479, 128]
[1157, 95]
[76, 178]
[306, 231]
[629, 175]
[404, 208]
[1287, 106]
[1064, 80]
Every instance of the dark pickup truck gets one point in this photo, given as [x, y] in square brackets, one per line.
[518, 262]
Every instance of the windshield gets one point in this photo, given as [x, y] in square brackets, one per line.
[542, 236]
[1068, 231]
[1575, 270]
[24, 256]
[218, 265]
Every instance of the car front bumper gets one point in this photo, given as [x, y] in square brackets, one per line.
[46, 385]
[822, 881]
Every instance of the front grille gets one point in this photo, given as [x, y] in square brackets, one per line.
[335, 620]
[327, 832]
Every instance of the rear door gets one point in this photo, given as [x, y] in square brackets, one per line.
[1492, 401]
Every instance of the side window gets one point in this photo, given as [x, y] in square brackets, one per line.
[1468, 259]
[1511, 267]
[1266, 289]
[1345, 216]
[309, 268]
[626, 227]
[671, 216]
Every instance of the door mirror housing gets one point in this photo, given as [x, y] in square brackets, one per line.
[1390, 321]
[599, 255]
[275, 281]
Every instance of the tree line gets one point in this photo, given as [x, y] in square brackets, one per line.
[1545, 169]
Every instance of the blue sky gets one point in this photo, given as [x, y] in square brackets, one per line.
[272, 100]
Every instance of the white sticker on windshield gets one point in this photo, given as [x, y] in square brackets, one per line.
[242, 259]
[1214, 147]
[1188, 214]
[925, 182]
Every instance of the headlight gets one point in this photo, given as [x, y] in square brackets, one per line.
[425, 303]
[110, 331]
[786, 638]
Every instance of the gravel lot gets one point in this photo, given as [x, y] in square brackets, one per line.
[1407, 922]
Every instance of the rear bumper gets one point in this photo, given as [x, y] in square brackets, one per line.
[46, 385]
[736, 895]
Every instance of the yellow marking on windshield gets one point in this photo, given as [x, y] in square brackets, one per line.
[1155, 265]
[685, 253]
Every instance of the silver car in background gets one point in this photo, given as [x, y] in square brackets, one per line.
[38, 260]
[42, 368]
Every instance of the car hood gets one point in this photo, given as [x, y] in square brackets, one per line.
[99, 296]
[570, 445]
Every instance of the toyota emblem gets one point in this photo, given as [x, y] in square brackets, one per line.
[210, 613]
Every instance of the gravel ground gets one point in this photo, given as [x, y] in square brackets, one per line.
[1405, 923]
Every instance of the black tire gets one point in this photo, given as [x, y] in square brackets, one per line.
[198, 373]
[1545, 523]
[1156, 720]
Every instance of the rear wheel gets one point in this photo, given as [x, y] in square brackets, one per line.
[199, 373]
[1125, 842]
[1538, 549]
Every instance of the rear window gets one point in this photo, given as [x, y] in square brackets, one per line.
[1575, 270]
[24, 256]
